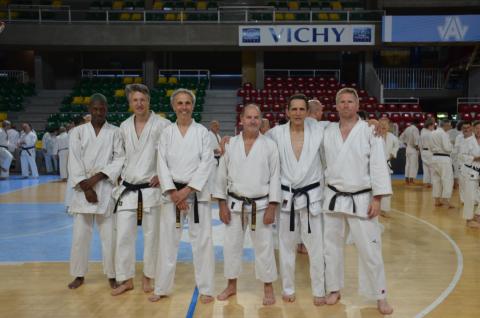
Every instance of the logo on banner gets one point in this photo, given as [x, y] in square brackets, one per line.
[362, 35]
[251, 35]
[452, 29]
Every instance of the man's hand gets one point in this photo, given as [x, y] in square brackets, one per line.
[91, 196]
[180, 195]
[225, 140]
[155, 183]
[269, 215]
[89, 183]
[376, 126]
[182, 205]
[374, 207]
[225, 214]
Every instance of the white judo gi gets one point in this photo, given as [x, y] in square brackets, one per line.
[185, 161]
[256, 176]
[470, 173]
[355, 165]
[139, 168]
[62, 152]
[5, 155]
[390, 148]
[457, 160]
[426, 154]
[442, 172]
[299, 179]
[215, 145]
[49, 146]
[27, 154]
[410, 137]
[90, 154]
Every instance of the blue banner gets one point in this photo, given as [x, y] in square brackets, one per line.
[434, 28]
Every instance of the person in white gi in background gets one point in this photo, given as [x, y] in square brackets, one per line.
[425, 153]
[95, 161]
[62, 152]
[5, 156]
[49, 147]
[215, 141]
[442, 172]
[299, 144]
[248, 189]
[185, 161]
[390, 148]
[357, 178]
[138, 197]
[315, 112]
[411, 137]
[470, 170]
[454, 129]
[457, 159]
[26, 143]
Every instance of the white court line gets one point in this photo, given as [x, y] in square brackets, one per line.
[36, 233]
[458, 272]
[28, 187]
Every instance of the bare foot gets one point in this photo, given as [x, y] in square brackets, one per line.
[288, 298]
[319, 301]
[123, 287]
[147, 284]
[477, 217]
[113, 283]
[384, 214]
[154, 298]
[205, 299]
[269, 297]
[77, 282]
[473, 224]
[227, 292]
[383, 307]
[301, 249]
[333, 298]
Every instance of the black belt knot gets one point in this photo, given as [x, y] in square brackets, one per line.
[331, 206]
[27, 149]
[441, 154]
[253, 203]
[196, 218]
[297, 193]
[130, 187]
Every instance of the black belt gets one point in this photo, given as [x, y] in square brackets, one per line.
[331, 206]
[62, 149]
[218, 159]
[27, 149]
[2, 146]
[129, 187]
[251, 201]
[472, 167]
[180, 186]
[297, 193]
[424, 148]
[441, 154]
[389, 164]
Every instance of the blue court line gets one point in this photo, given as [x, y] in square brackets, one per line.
[193, 303]
[15, 183]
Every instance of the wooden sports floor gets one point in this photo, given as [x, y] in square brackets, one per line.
[432, 263]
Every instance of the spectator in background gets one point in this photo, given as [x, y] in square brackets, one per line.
[62, 152]
[27, 142]
[265, 126]
[49, 147]
[411, 137]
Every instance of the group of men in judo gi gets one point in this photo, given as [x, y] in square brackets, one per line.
[309, 180]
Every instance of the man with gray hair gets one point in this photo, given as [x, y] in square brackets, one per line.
[138, 197]
[442, 171]
[315, 113]
[185, 161]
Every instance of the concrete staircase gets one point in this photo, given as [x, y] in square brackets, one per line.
[221, 105]
[38, 108]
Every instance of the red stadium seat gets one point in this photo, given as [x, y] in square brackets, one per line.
[477, 116]
[281, 116]
[385, 115]
[392, 108]
[369, 108]
[268, 116]
[404, 108]
[395, 117]
[475, 108]
[265, 108]
[332, 116]
[239, 108]
[467, 116]
[415, 108]
[247, 86]
[241, 92]
[277, 108]
[247, 99]
[371, 116]
[381, 108]
[418, 116]
[407, 117]
[465, 108]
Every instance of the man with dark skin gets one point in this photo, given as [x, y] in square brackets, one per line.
[96, 158]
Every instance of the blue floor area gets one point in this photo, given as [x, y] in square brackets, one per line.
[15, 183]
[42, 232]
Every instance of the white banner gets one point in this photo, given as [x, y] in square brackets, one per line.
[306, 35]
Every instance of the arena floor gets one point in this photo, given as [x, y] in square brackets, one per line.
[431, 258]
